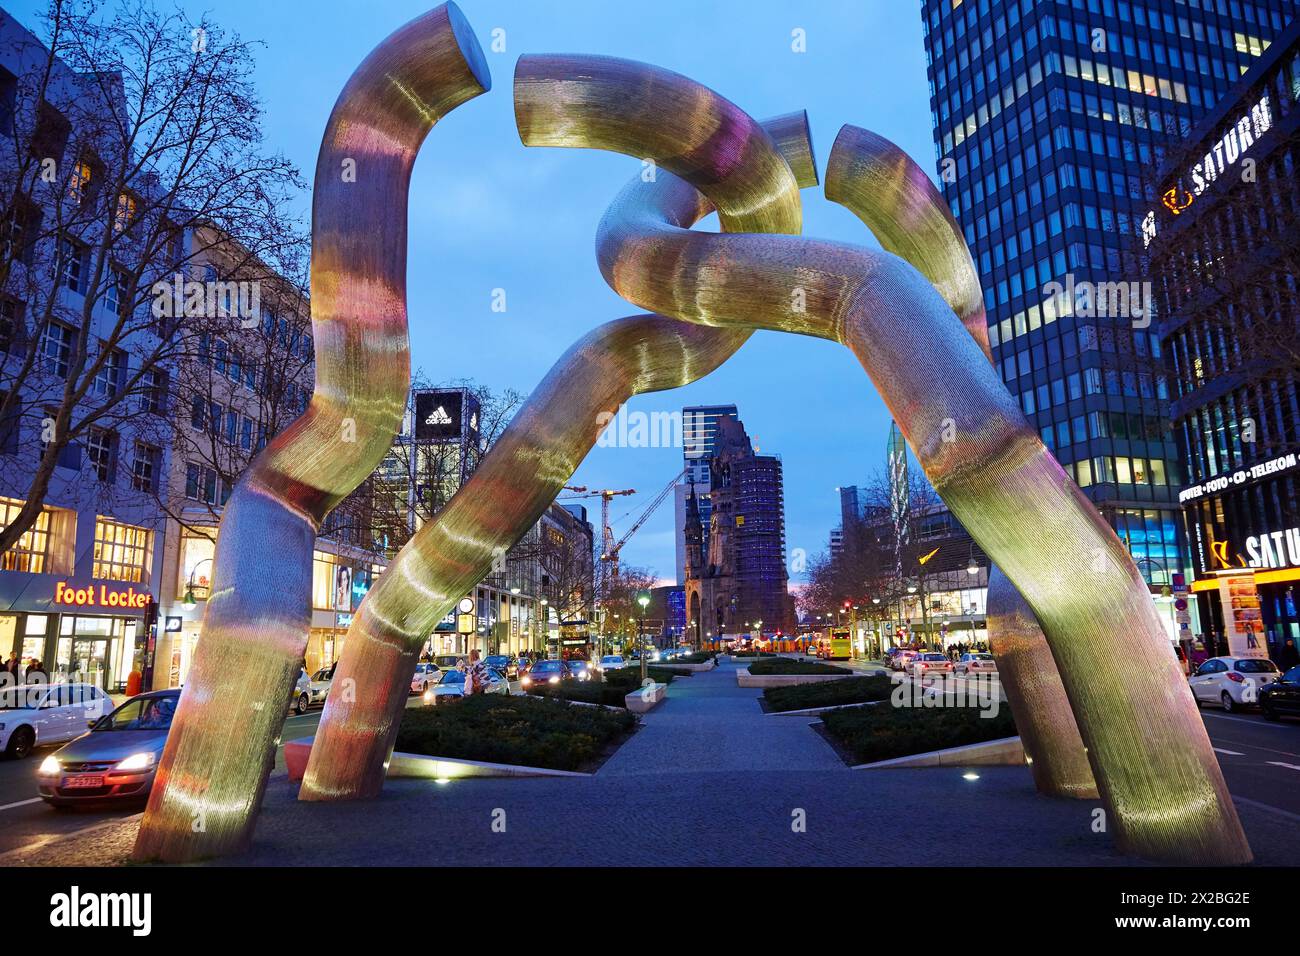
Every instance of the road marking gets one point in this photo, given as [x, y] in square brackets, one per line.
[1247, 720]
[1235, 753]
[1267, 806]
[1278, 763]
[21, 803]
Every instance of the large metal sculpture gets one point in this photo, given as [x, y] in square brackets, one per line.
[1145, 743]
[255, 627]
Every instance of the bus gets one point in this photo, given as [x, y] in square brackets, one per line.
[834, 645]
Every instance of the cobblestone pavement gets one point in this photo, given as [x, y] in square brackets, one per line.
[707, 780]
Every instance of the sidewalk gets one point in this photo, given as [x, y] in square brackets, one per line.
[705, 781]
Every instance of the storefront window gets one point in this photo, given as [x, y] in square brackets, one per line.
[195, 567]
[123, 552]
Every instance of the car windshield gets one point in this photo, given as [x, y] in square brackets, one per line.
[611, 660]
[1292, 676]
[322, 674]
[933, 657]
[22, 698]
[496, 661]
[981, 657]
[577, 663]
[453, 677]
[141, 713]
[547, 667]
[1256, 667]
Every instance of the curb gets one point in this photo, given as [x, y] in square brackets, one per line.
[424, 767]
[989, 753]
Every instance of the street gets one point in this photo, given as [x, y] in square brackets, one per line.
[26, 820]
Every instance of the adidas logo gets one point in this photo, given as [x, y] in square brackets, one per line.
[438, 416]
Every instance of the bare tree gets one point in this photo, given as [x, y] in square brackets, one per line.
[417, 479]
[127, 137]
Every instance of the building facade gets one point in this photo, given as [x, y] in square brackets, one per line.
[736, 580]
[80, 360]
[1224, 246]
[1047, 119]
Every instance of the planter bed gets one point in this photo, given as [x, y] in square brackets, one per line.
[786, 672]
[610, 690]
[853, 690]
[522, 731]
[869, 734]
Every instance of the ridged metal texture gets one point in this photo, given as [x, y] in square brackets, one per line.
[754, 189]
[255, 627]
[1150, 752]
[894, 197]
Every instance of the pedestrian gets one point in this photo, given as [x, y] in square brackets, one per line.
[476, 676]
[1288, 657]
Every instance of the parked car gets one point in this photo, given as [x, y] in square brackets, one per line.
[976, 664]
[546, 672]
[32, 715]
[1282, 697]
[611, 662]
[426, 674]
[1232, 682]
[451, 686]
[116, 761]
[898, 657]
[504, 663]
[929, 664]
[313, 689]
[581, 670]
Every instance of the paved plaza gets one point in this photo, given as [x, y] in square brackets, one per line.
[708, 779]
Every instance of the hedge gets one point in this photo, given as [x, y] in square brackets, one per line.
[790, 665]
[525, 731]
[884, 732]
[829, 693]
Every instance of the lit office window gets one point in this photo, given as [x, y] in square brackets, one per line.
[123, 552]
[31, 551]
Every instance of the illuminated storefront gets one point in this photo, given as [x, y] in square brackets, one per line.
[1229, 320]
[85, 626]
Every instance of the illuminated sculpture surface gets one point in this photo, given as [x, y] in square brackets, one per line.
[912, 316]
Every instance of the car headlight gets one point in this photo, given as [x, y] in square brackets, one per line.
[554, 680]
[526, 681]
[140, 761]
[428, 696]
[49, 766]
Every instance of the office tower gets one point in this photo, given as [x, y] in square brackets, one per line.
[1049, 121]
[699, 437]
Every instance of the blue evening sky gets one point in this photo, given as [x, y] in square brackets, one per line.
[487, 213]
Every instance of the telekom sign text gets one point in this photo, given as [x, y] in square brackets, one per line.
[102, 595]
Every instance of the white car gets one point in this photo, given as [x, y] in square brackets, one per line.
[425, 676]
[977, 664]
[313, 689]
[32, 715]
[930, 664]
[1232, 682]
[611, 662]
[451, 687]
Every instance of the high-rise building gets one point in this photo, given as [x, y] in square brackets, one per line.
[738, 577]
[1224, 244]
[699, 437]
[1049, 119]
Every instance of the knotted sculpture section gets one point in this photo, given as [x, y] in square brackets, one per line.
[912, 315]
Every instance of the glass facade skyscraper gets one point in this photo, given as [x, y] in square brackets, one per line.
[1049, 123]
[699, 443]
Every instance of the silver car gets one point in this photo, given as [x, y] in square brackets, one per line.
[116, 761]
[977, 664]
[451, 687]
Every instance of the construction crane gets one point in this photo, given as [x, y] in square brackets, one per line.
[609, 548]
[605, 495]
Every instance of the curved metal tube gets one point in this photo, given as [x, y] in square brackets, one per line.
[1050, 734]
[255, 628]
[892, 195]
[1151, 755]
[547, 440]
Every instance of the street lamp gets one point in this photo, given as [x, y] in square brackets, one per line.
[643, 599]
[188, 602]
